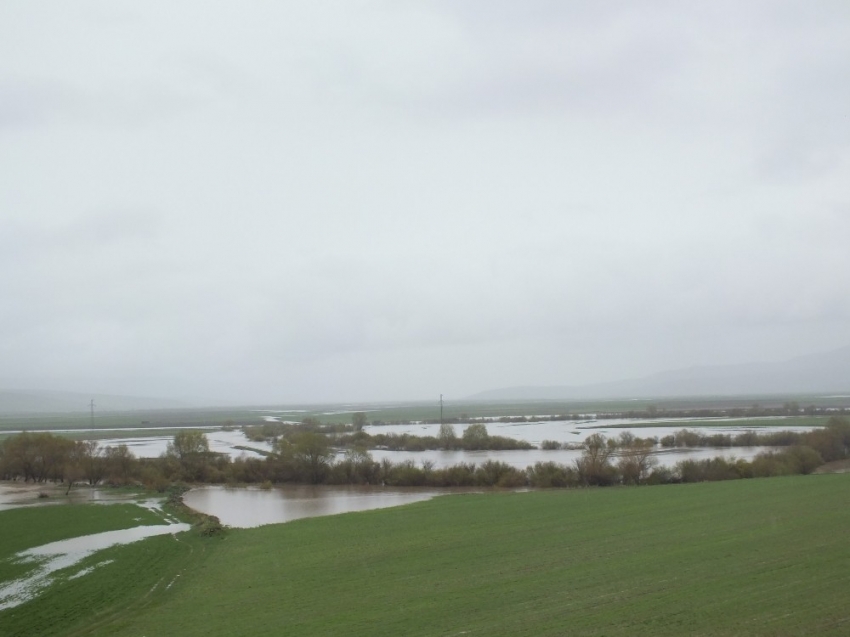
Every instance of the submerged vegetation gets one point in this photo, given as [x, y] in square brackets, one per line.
[319, 454]
[763, 554]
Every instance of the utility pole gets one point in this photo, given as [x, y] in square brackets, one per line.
[441, 410]
[91, 404]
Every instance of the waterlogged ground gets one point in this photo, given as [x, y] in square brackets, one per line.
[757, 557]
[220, 441]
[57, 556]
[520, 459]
[748, 557]
[251, 507]
[576, 431]
[231, 442]
[14, 495]
[26, 574]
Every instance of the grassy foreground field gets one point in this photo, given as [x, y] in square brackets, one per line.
[114, 590]
[749, 557]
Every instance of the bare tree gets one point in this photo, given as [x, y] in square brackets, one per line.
[594, 466]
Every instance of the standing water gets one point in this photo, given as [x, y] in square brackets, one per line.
[248, 507]
[56, 556]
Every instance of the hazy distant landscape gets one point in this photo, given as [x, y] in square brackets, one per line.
[821, 374]
[424, 318]
[411, 477]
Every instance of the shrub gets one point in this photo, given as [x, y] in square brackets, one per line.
[210, 526]
[662, 475]
[550, 474]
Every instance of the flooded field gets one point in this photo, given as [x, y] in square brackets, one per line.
[14, 495]
[249, 507]
[65, 553]
[576, 431]
[521, 459]
[43, 563]
[220, 441]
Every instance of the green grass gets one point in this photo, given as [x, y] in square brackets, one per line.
[27, 527]
[405, 411]
[479, 409]
[157, 419]
[749, 557]
[110, 434]
[137, 577]
[749, 423]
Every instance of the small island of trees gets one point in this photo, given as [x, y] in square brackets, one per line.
[313, 453]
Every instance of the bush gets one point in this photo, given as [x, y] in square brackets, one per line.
[662, 475]
[210, 526]
[712, 470]
[549, 474]
[791, 461]
[459, 475]
[494, 473]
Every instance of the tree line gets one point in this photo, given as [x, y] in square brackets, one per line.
[307, 457]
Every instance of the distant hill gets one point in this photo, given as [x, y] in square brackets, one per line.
[36, 401]
[827, 372]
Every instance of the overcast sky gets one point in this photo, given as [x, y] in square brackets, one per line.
[322, 201]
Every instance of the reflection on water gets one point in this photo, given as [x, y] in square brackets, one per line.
[523, 458]
[249, 507]
[65, 553]
[577, 431]
[220, 441]
[14, 495]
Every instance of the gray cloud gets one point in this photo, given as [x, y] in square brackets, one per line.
[360, 200]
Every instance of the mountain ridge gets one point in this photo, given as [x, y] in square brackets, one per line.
[822, 372]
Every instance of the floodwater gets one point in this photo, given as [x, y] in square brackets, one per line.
[576, 431]
[246, 507]
[521, 459]
[14, 495]
[64, 554]
[565, 431]
[569, 431]
[220, 441]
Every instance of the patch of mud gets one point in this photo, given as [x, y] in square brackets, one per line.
[836, 466]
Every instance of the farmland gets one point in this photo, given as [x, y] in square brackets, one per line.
[756, 557]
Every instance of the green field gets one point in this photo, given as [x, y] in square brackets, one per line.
[386, 412]
[33, 526]
[148, 420]
[113, 592]
[748, 557]
[749, 423]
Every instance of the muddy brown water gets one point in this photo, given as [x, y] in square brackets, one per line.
[249, 506]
